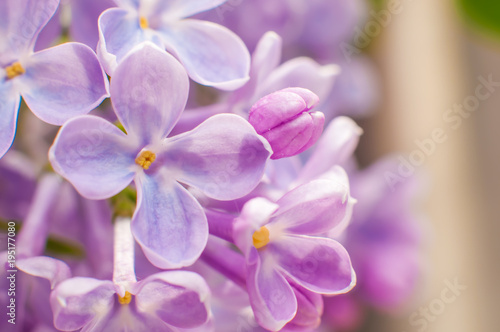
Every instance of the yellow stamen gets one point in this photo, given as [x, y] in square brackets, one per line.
[261, 237]
[14, 70]
[143, 22]
[125, 299]
[145, 159]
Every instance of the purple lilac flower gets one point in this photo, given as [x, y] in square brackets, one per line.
[283, 118]
[174, 301]
[266, 76]
[56, 84]
[231, 305]
[279, 243]
[223, 62]
[223, 157]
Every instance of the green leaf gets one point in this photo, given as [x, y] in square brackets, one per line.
[483, 14]
[377, 4]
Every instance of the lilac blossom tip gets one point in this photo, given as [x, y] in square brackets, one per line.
[285, 120]
[54, 270]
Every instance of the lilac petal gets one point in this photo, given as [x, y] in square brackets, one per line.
[310, 98]
[320, 265]
[63, 82]
[310, 309]
[223, 157]
[224, 62]
[291, 137]
[21, 22]
[77, 301]
[265, 59]
[119, 32]
[84, 16]
[272, 298]
[179, 298]
[94, 155]
[313, 208]
[168, 223]
[336, 146]
[50, 33]
[114, 321]
[267, 56]
[303, 72]
[9, 108]
[318, 121]
[49, 268]
[191, 118]
[149, 91]
[275, 109]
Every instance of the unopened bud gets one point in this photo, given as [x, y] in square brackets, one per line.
[285, 120]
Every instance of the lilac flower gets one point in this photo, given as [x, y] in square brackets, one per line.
[266, 77]
[223, 157]
[283, 118]
[56, 84]
[278, 242]
[167, 301]
[211, 54]
[32, 294]
[230, 302]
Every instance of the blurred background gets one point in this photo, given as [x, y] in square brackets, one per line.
[430, 56]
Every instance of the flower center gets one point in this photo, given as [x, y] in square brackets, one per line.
[125, 299]
[261, 237]
[143, 22]
[14, 70]
[145, 159]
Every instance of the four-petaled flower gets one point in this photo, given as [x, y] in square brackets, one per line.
[211, 53]
[281, 244]
[223, 157]
[57, 83]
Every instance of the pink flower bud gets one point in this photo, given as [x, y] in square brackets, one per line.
[285, 120]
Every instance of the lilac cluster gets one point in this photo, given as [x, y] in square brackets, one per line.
[216, 191]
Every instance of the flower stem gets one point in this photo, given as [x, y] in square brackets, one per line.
[124, 271]
[225, 260]
[220, 224]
